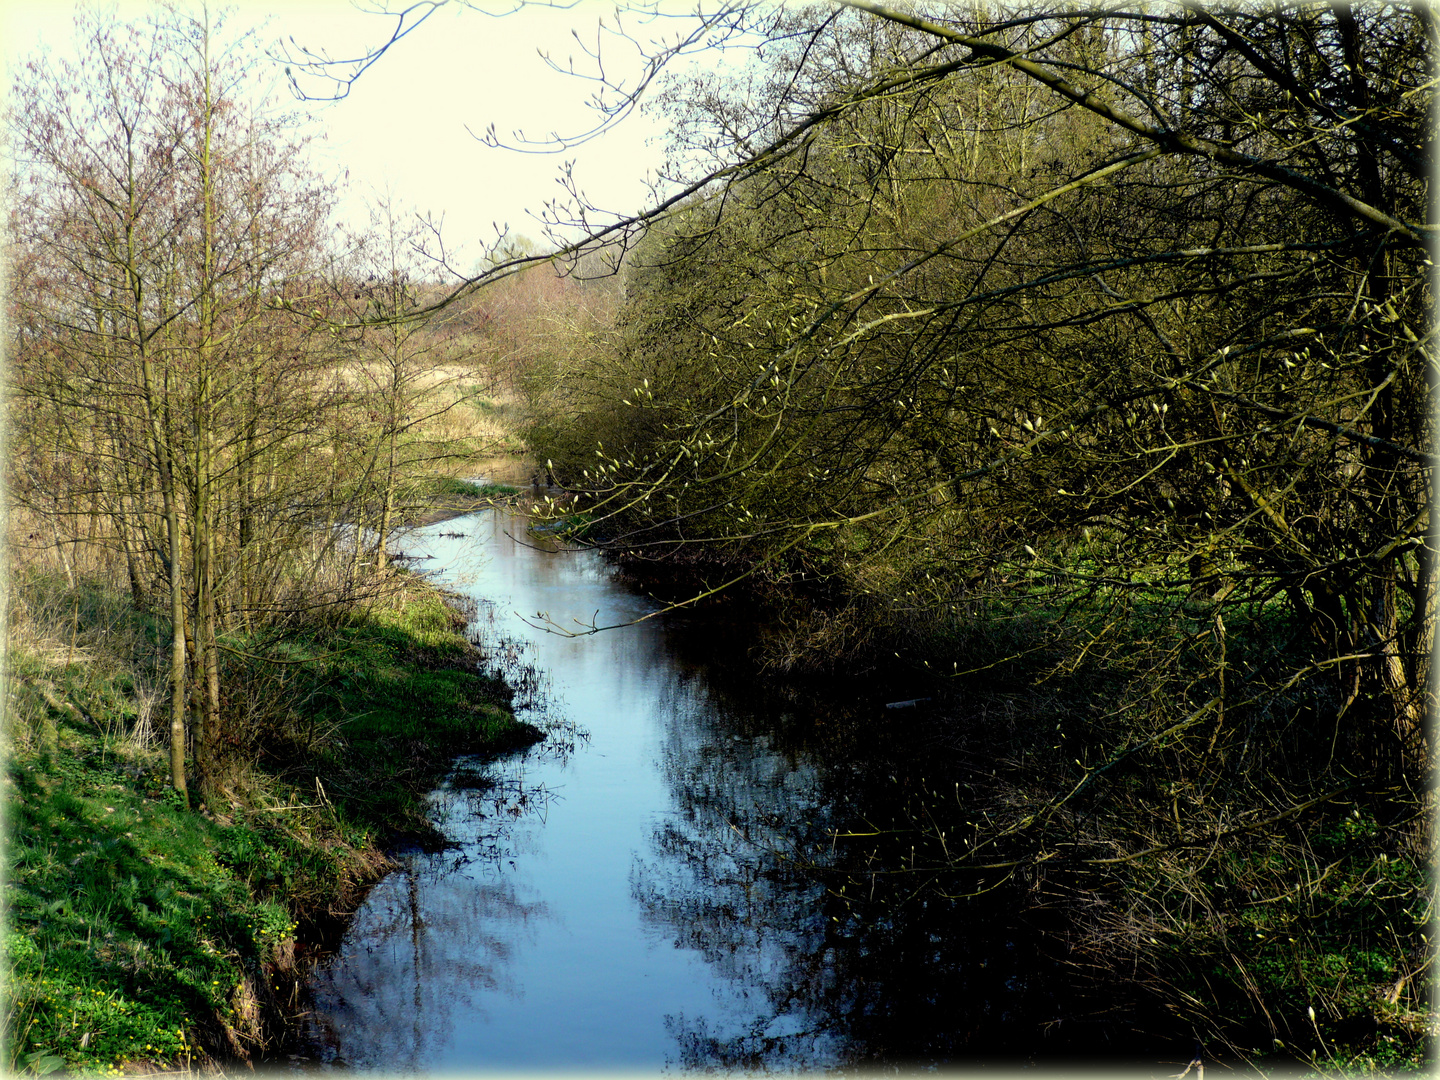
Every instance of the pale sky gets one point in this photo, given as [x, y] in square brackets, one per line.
[404, 123]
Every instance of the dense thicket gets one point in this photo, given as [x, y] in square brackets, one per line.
[958, 318]
[1093, 349]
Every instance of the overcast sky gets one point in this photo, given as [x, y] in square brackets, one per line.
[404, 124]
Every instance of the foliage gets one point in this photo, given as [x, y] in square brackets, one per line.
[881, 345]
[1079, 354]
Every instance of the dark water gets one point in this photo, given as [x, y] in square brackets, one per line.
[661, 891]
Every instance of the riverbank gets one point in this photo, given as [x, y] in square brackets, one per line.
[452, 497]
[1280, 923]
[145, 935]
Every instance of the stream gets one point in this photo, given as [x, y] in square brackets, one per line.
[652, 888]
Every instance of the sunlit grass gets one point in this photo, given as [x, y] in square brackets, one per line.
[143, 933]
[444, 486]
[132, 923]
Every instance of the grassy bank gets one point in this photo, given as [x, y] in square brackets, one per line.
[144, 934]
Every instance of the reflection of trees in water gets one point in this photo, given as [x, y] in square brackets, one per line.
[437, 936]
[745, 872]
[479, 805]
[434, 938]
[720, 883]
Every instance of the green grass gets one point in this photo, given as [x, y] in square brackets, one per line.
[1327, 937]
[142, 933]
[453, 486]
[402, 688]
[133, 927]
[488, 407]
[569, 527]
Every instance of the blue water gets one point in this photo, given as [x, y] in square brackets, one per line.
[561, 933]
[666, 890]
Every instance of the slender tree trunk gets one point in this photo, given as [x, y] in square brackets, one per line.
[387, 509]
[177, 648]
[55, 505]
[160, 446]
[245, 477]
[207, 693]
[1405, 708]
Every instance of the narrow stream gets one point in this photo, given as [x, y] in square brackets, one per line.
[644, 895]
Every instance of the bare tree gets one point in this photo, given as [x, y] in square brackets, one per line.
[1179, 302]
[168, 233]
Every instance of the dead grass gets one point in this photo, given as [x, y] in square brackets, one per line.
[66, 641]
[480, 420]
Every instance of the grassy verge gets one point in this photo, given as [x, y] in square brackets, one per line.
[141, 934]
[1316, 939]
[394, 695]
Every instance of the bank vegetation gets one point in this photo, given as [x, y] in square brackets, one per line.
[226, 695]
[1079, 365]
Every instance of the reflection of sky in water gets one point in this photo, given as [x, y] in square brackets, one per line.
[540, 943]
[650, 899]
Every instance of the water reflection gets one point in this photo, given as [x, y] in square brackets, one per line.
[438, 937]
[723, 879]
[670, 893]
[748, 873]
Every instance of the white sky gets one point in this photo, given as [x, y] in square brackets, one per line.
[403, 126]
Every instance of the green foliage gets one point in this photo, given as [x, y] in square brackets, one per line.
[377, 702]
[1080, 366]
[853, 361]
[569, 526]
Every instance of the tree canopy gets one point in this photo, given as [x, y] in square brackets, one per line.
[1126, 298]
[1079, 361]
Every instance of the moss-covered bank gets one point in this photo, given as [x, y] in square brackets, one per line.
[144, 934]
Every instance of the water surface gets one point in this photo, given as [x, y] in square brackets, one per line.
[657, 893]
